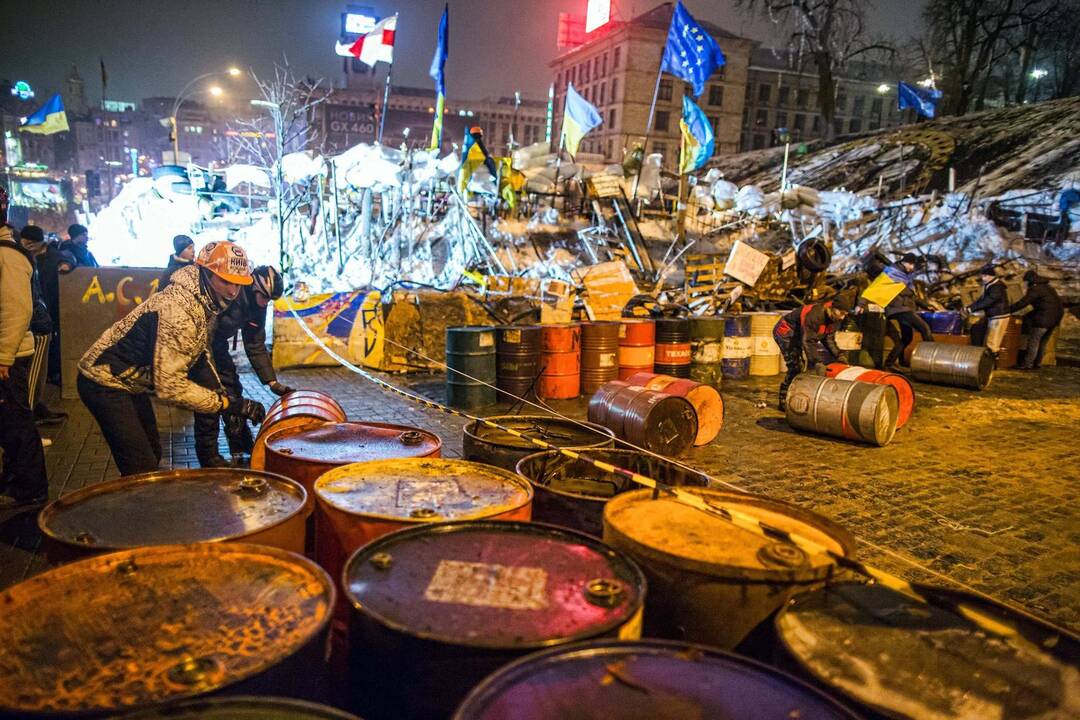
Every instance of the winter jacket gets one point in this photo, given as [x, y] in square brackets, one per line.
[245, 315]
[994, 300]
[152, 348]
[814, 329]
[81, 253]
[175, 263]
[1046, 306]
[48, 263]
[906, 301]
[16, 300]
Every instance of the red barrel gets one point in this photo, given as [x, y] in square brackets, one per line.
[599, 355]
[707, 401]
[904, 391]
[637, 346]
[561, 375]
[656, 421]
[299, 408]
[673, 348]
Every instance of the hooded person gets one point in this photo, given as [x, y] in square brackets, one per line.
[810, 331]
[183, 256]
[77, 246]
[150, 352]
[1046, 314]
[993, 302]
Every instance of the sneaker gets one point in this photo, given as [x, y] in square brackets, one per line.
[45, 416]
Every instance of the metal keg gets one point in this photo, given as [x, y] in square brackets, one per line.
[905, 393]
[656, 421]
[967, 366]
[601, 401]
[637, 346]
[242, 708]
[673, 347]
[847, 409]
[765, 357]
[707, 349]
[560, 378]
[635, 680]
[438, 608]
[517, 361]
[470, 367]
[599, 354]
[154, 625]
[300, 408]
[706, 399]
[738, 346]
[483, 443]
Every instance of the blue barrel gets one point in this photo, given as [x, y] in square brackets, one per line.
[470, 367]
[738, 346]
[945, 322]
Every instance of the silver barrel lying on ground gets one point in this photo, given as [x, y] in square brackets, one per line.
[969, 366]
[846, 409]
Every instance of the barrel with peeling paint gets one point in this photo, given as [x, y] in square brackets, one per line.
[153, 625]
[438, 608]
[483, 443]
[848, 409]
[711, 581]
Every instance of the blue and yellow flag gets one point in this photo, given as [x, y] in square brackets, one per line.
[473, 155]
[580, 117]
[48, 119]
[698, 140]
[437, 73]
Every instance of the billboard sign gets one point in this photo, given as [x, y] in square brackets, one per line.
[597, 15]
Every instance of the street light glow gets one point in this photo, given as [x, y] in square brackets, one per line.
[216, 91]
[1038, 73]
[233, 71]
[883, 88]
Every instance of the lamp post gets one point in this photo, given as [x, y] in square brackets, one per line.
[883, 90]
[279, 144]
[1038, 74]
[231, 72]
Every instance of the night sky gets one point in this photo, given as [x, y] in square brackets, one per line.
[154, 47]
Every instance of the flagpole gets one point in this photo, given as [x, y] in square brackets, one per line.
[558, 165]
[648, 131]
[680, 207]
[385, 100]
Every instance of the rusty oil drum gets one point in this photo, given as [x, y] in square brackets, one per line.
[560, 377]
[656, 421]
[709, 580]
[438, 608]
[637, 346]
[572, 493]
[706, 399]
[849, 409]
[243, 708]
[485, 444]
[299, 408]
[170, 507]
[517, 361]
[892, 656]
[599, 354]
[635, 680]
[137, 628]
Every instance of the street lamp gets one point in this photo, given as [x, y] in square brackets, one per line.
[1038, 74]
[216, 91]
[231, 72]
[882, 88]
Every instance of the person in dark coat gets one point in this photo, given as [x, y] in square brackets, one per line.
[994, 302]
[42, 324]
[183, 255]
[810, 331]
[902, 309]
[52, 262]
[76, 244]
[1047, 310]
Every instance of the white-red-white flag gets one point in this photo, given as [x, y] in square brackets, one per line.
[378, 44]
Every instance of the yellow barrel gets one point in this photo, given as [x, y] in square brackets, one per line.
[765, 355]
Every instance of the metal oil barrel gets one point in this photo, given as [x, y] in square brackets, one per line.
[297, 409]
[849, 409]
[438, 608]
[599, 354]
[470, 366]
[497, 447]
[967, 366]
[158, 624]
[635, 680]
[706, 399]
[905, 392]
[517, 361]
[243, 708]
[171, 507]
[711, 581]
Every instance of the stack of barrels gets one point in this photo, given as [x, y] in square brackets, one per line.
[599, 354]
[637, 346]
[738, 346]
[673, 347]
[517, 361]
[560, 376]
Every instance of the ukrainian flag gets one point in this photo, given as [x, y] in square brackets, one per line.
[579, 118]
[472, 157]
[50, 118]
[438, 74]
[698, 140]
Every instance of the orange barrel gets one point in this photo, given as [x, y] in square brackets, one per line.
[697, 562]
[175, 507]
[297, 409]
[243, 708]
[637, 346]
[148, 626]
[560, 378]
[706, 349]
[656, 421]
[483, 443]
[673, 347]
[707, 402]
[764, 353]
[846, 409]
[601, 401]
[738, 346]
[599, 354]
[904, 391]
[438, 608]
[517, 361]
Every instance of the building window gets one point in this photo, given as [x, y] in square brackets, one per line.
[759, 142]
[558, 79]
[838, 126]
[609, 148]
[855, 125]
[603, 66]
[781, 119]
[665, 90]
[841, 102]
[784, 96]
[603, 91]
[663, 119]
[716, 95]
[611, 118]
[763, 92]
[746, 117]
[800, 122]
[616, 58]
[715, 122]
[614, 89]
[858, 104]
[800, 97]
[817, 123]
[596, 67]
[584, 73]
[875, 106]
[762, 118]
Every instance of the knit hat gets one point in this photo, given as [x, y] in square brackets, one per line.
[32, 233]
[180, 242]
[844, 302]
[77, 230]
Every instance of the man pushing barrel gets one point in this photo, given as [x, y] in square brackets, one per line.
[810, 330]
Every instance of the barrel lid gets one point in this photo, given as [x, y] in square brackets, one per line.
[552, 430]
[242, 708]
[917, 660]
[671, 531]
[155, 624]
[634, 680]
[350, 442]
[495, 584]
[422, 489]
[172, 506]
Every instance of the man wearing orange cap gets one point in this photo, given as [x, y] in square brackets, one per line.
[149, 352]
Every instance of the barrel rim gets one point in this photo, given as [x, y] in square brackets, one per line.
[422, 522]
[471, 430]
[837, 533]
[296, 430]
[252, 702]
[612, 554]
[48, 578]
[69, 499]
[513, 672]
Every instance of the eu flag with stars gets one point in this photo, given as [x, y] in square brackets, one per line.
[923, 100]
[691, 54]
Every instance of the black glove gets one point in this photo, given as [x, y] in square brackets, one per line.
[248, 409]
[279, 389]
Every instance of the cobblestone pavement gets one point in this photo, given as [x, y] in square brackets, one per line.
[980, 487]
